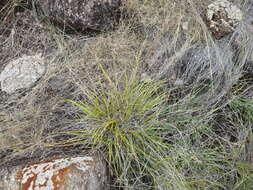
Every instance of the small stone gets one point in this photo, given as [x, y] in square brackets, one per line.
[223, 17]
[22, 73]
[185, 25]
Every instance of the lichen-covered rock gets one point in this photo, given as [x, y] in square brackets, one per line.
[79, 15]
[223, 17]
[77, 173]
[22, 73]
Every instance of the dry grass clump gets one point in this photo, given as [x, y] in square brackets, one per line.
[117, 52]
[164, 16]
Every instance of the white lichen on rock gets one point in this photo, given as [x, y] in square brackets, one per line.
[22, 73]
[64, 173]
[70, 173]
[47, 175]
[223, 17]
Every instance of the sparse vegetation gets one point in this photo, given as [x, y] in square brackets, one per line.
[106, 93]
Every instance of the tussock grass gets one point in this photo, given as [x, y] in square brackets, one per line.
[122, 122]
[243, 107]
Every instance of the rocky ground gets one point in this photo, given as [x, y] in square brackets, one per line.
[196, 54]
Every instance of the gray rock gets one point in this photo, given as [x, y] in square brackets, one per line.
[79, 14]
[223, 17]
[22, 73]
[195, 64]
[76, 173]
[214, 63]
[210, 69]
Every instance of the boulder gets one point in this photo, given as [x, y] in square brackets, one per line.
[223, 17]
[79, 15]
[75, 173]
[193, 64]
[22, 73]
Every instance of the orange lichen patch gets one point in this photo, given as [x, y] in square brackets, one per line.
[59, 179]
[29, 182]
[43, 185]
[50, 174]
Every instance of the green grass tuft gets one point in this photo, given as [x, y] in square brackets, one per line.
[123, 123]
[243, 107]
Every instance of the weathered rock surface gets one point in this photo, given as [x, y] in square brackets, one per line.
[79, 14]
[22, 73]
[77, 173]
[223, 17]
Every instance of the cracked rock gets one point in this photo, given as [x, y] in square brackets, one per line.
[21, 73]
